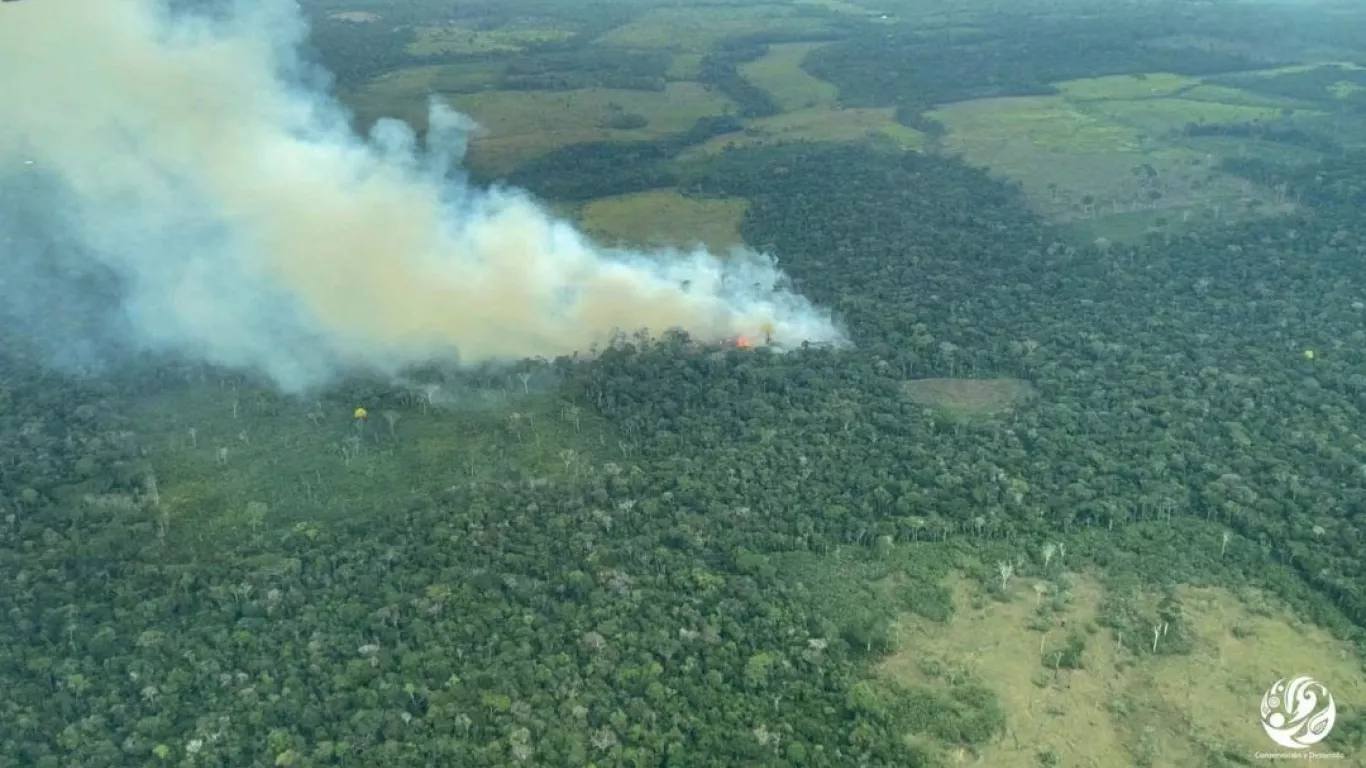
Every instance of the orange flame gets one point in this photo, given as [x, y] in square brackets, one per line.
[742, 342]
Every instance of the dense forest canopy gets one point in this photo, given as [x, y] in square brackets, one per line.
[668, 553]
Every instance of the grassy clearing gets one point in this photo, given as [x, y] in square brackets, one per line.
[455, 39]
[355, 17]
[969, 398]
[817, 124]
[838, 6]
[403, 92]
[1044, 122]
[685, 66]
[518, 125]
[1345, 89]
[1082, 160]
[1119, 708]
[1296, 69]
[545, 113]
[1126, 86]
[664, 218]
[214, 459]
[780, 73]
[698, 29]
[1156, 116]
[1100, 156]
[1225, 95]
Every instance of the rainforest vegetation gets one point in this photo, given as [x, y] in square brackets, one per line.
[660, 553]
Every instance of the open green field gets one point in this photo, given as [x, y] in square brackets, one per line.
[1160, 115]
[685, 66]
[1103, 154]
[1102, 148]
[518, 125]
[1234, 96]
[355, 17]
[839, 6]
[969, 399]
[665, 218]
[455, 39]
[817, 124]
[1126, 86]
[1124, 705]
[698, 29]
[1049, 123]
[1296, 69]
[780, 73]
[403, 92]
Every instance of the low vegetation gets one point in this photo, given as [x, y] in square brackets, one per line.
[665, 219]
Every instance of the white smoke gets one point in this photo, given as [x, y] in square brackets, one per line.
[249, 226]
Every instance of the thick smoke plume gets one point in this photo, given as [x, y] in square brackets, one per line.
[247, 225]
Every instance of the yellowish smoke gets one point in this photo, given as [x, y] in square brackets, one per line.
[250, 226]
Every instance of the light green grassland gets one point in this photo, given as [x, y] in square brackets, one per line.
[685, 66]
[810, 109]
[1046, 122]
[839, 6]
[1121, 707]
[1296, 69]
[518, 125]
[817, 124]
[665, 218]
[1126, 86]
[1225, 95]
[779, 72]
[455, 39]
[1160, 115]
[698, 29]
[355, 17]
[400, 92]
[1093, 138]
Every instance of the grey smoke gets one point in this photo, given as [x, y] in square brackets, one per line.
[247, 225]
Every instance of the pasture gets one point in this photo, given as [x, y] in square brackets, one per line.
[1123, 704]
[515, 126]
[455, 39]
[817, 124]
[780, 73]
[693, 29]
[1108, 147]
[665, 219]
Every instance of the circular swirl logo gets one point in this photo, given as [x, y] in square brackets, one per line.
[1298, 712]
